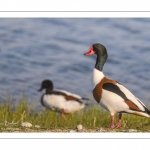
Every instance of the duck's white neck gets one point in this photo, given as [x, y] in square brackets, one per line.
[97, 76]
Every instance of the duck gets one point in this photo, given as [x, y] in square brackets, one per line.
[61, 101]
[110, 94]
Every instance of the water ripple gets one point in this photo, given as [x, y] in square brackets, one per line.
[35, 49]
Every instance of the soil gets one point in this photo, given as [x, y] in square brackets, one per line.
[35, 130]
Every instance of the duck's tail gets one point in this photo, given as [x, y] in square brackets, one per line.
[84, 98]
[85, 101]
[145, 113]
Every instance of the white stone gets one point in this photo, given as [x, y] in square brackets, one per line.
[79, 127]
[71, 131]
[26, 124]
[37, 126]
[101, 129]
[132, 130]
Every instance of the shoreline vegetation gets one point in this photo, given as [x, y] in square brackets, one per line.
[91, 119]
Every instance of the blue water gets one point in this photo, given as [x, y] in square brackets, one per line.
[34, 49]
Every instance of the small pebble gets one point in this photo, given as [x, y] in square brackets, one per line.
[125, 131]
[71, 131]
[101, 130]
[79, 127]
[37, 126]
[26, 124]
[132, 130]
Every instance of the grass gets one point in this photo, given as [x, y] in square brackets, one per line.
[90, 118]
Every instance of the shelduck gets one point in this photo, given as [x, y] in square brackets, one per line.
[110, 94]
[60, 101]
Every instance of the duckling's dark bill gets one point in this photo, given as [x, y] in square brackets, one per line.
[39, 90]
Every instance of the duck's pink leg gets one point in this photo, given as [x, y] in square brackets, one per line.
[63, 114]
[119, 121]
[112, 121]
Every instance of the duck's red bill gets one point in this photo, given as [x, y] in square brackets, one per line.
[90, 52]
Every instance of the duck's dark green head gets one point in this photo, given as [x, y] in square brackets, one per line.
[101, 53]
[46, 84]
[97, 49]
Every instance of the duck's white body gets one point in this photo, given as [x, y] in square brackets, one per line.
[58, 102]
[115, 103]
[109, 93]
